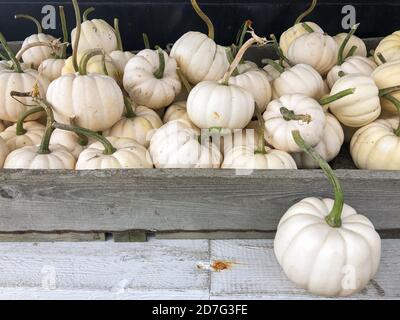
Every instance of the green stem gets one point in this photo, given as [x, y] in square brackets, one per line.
[86, 13]
[352, 51]
[118, 34]
[230, 56]
[307, 12]
[205, 18]
[108, 147]
[16, 65]
[53, 46]
[3, 57]
[307, 27]
[279, 51]
[334, 219]
[184, 81]
[64, 31]
[336, 96]
[275, 65]
[33, 19]
[146, 40]
[344, 44]
[129, 114]
[260, 132]
[381, 57]
[20, 123]
[77, 35]
[44, 145]
[289, 115]
[396, 103]
[386, 91]
[159, 74]
[242, 33]
[82, 70]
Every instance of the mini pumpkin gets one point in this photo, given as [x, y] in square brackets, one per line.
[4, 151]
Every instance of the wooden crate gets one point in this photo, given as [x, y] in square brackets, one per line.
[215, 204]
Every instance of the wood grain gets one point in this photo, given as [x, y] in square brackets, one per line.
[181, 200]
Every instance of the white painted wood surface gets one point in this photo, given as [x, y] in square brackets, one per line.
[163, 269]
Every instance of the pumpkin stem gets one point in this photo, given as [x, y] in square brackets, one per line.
[260, 132]
[129, 114]
[289, 115]
[344, 44]
[205, 18]
[44, 145]
[77, 35]
[229, 55]
[381, 57]
[33, 19]
[396, 103]
[3, 57]
[16, 65]
[64, 31]
[108, 147]
[336, 96]
[118, 34]
[307, 27]
[307, 12]
[87, 12]
[20, 131]
[274, 64]
[387, 91]
[334, 219]
[240, 37]
[55, 47]
[184, 81]
[89, 55]
[279, 51]
[352, 51]
[146, 41]
[159, 74]
[254, 39]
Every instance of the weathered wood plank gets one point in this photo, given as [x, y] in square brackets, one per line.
[253, 272]
[156, 266]
[181, 200]
[46, 237]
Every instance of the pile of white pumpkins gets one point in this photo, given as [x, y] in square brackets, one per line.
[103, 109]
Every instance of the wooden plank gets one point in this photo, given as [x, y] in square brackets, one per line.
[46, 237]
[138, 268]
[253, 272]
[181, 200]
[130, 236]
[217, 235]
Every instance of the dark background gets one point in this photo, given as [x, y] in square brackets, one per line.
[167, 20]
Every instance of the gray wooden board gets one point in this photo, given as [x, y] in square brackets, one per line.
[164, 269]
[181, 200]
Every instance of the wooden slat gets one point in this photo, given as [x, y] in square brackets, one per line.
[156, 266]
[181, 200]
[254, 273]
[46, 237]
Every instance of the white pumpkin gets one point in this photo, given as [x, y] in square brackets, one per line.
[139, 127]
[352, 65]
[324, 260]
[302, 79]
[51, 68]
[214, 105]
[2, 126]
[377, 146]
[29, 158]
[328, 148]
[176, 145]
[143, 84]
[360, 108]
[121, 59]
[10, 109]
[389, 48]
[93, 101]
[4, 151]
[315, 49]
[32, 136]
[387, 76]
[256, 82]
[129, 154]
[199, 57]
[295, 32]
[177, 111]
[35, 56]
[69, 140]
[246, 65]
[96, 34]
[244, 157]
[311, 122]
[361, 50]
